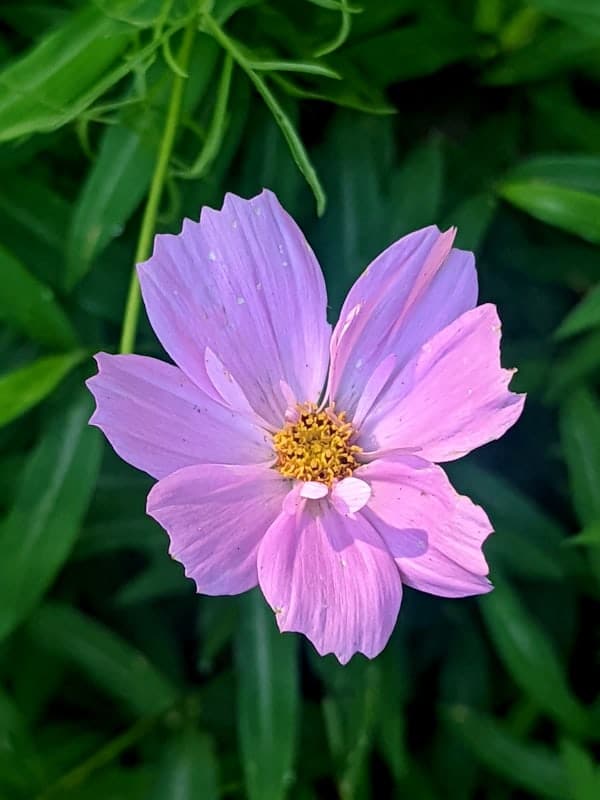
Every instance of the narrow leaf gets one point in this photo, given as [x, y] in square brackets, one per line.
[528, 654]
[268, 698]
[580, 172]
[43, 88]
[580, 429]
[289, 132]
[30, 307]
[582, 14]
[108, 661]
[39, 532]
[121, 174]
[188, 769]
[573, 211]
[530, 766]
[582, 772]
[584, 316]
[26, 386]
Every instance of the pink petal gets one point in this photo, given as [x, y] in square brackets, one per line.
[244, 283]
[435, 534]
[216, 516]
[451, 398]
[159, 421]
[412, 290]
[313, 490]
[331, 578]
[350, 495]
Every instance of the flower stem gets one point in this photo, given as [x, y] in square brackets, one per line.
[105, 755]
[132, 309]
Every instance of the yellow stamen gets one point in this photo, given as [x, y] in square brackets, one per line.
[317, 446]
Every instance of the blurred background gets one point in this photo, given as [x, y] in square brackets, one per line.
[369, 118]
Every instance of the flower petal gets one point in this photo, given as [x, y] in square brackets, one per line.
[244, 283]
[331, 578]
[159, 421]
[434, 534]
[412, 290]
[313, 490]
[451, 398]
[216, 516]
[350, 495]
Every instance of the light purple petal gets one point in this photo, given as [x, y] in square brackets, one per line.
[435, 534]
[331, 578]
[313, 490]
[159, 421]
[451, 398]
[216, 516]
[412, 290]
[244, 283]
[350, 495]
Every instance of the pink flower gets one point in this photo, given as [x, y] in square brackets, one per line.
[300, 459]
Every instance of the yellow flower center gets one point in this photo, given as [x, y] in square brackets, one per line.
[317, 446]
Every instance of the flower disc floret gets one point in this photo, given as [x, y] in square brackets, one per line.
[316, 446]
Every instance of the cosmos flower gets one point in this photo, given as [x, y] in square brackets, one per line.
[305, 460]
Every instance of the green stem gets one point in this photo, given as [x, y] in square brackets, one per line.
[132, 309]
[108, 753]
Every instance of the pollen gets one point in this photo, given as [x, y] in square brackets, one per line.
[316, 446]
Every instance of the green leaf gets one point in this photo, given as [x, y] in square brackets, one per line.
[281, 65]
[580, 362]
[113, 189]
[391, 721]
[117, 668]
[416, 188]
[472, 218]
[556, 182]
[413, 50]
[163, 578]
[344, 28]
[589, 535]
[39, 532]
[112, 783]
[268, 699]
[583, 773]
[553, 52]
[31, 307]
[142, 13]
[216, 129]
[33, 224]
[574, 211]
[355, 161]
[351, 709]
[530, 658]
[531, 766]
[26, 386]
[46, 87]
[580, 172]
[288, 130]
[528, 542]
[583, 14]
[121, 174]
[187, 770]
[21, 769]
[580, 433]
[584, 316]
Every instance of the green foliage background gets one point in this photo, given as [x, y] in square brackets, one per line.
[118, 118]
